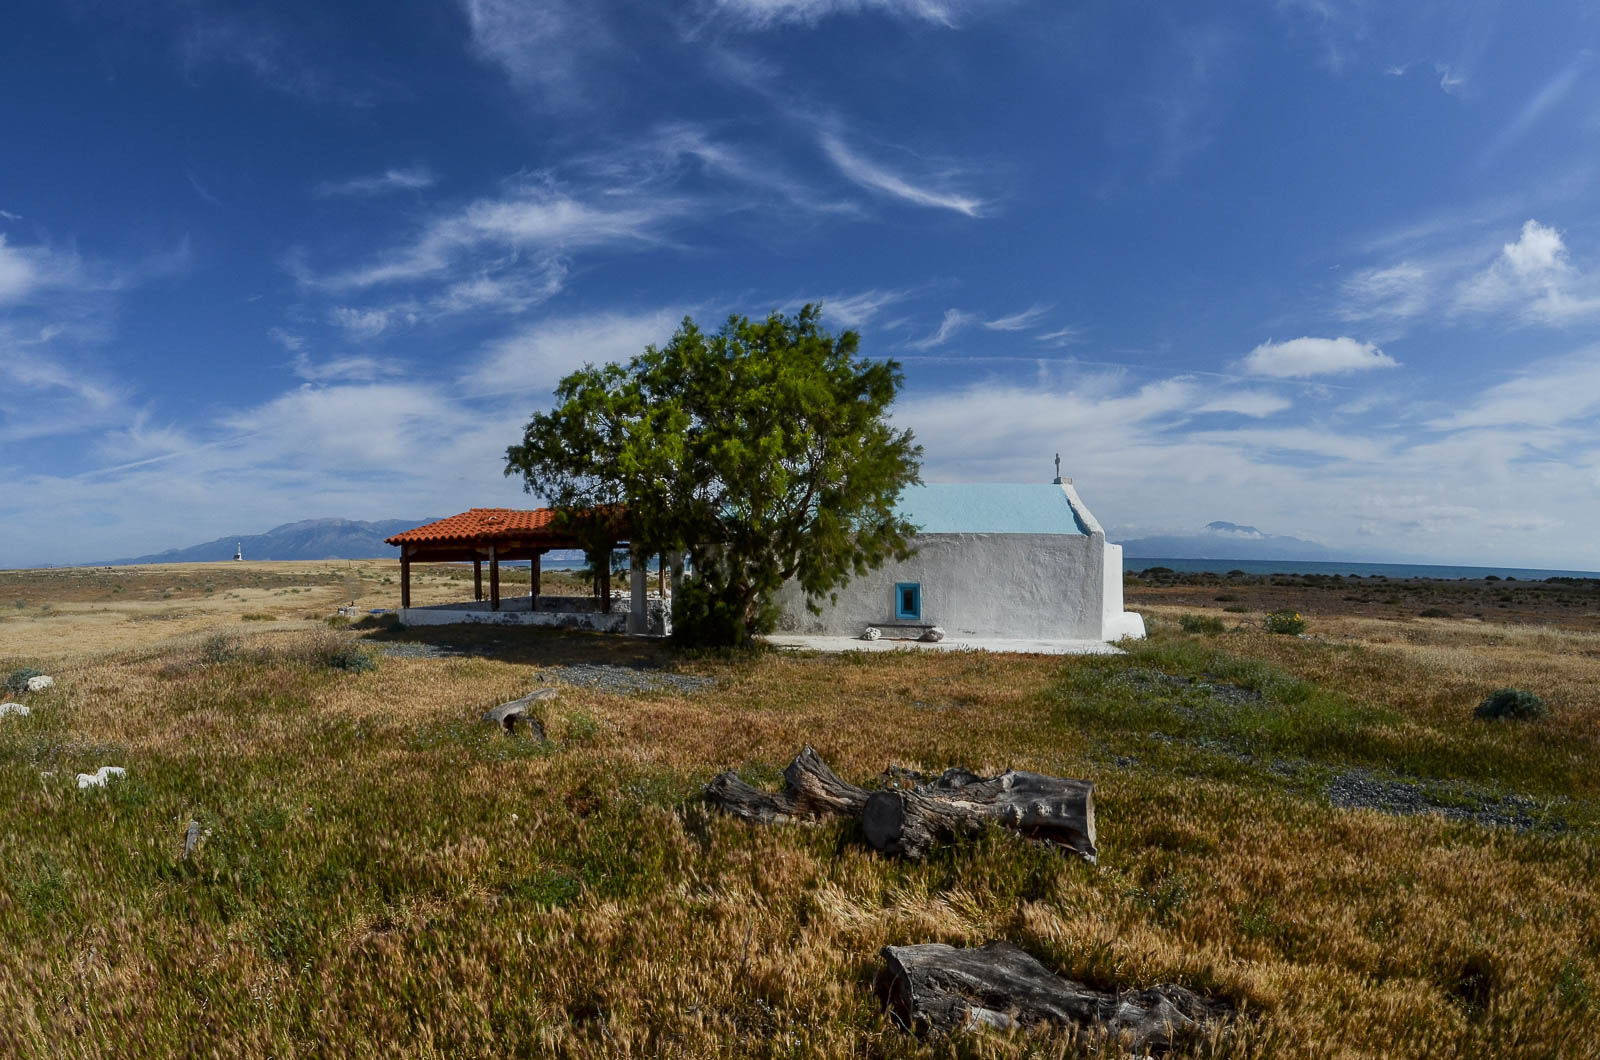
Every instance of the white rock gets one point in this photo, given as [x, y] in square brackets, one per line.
[98, 778]
[13, 708]
[872, 633]
[934, 633]
[40, 683]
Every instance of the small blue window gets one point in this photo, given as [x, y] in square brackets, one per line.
[908, 600]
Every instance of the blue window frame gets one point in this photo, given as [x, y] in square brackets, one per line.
[907, 599]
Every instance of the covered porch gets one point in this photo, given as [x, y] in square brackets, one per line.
[490, 537]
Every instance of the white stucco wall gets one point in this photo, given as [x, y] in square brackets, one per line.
[975, 585]
[1060, 586]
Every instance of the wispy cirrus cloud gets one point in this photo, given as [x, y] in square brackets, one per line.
[880, 178]
[763, 14]
[544, 48]
[1061, 336]
[534, 218]
[254, 42]
[1018, 321]
[954, 321]
[408, 178]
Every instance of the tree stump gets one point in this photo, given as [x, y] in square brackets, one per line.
[508, 714]
[1053, 810]
[811, 792]
[938, 989]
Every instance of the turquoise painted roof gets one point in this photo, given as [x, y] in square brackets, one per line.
[988, 508]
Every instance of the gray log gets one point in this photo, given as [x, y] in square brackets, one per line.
[1053, 810]
[939, 989]
[810, 792]
[508, 714]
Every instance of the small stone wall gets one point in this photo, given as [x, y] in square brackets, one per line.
[557, 612]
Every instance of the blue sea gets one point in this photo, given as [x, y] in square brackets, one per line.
[1134, 564]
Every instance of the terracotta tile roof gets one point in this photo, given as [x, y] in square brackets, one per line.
[484, 525]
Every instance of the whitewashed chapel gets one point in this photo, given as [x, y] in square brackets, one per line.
[1001, 561]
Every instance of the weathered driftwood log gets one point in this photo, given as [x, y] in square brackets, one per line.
[1054, 810]
[508, 714]
[810, 792]
[939, 989]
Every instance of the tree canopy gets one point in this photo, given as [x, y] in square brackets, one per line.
[763, 450]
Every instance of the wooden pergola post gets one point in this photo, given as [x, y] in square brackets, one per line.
[661, 575]
[494, 579]
[535, 570]
[405, 576]
[605, 579]
[477, 577]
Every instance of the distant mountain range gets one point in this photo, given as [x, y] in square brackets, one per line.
[307, 539]
[1223, 540]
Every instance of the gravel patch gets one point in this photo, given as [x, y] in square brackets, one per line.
[624, 680]
[1366, 790]
[1211, 684]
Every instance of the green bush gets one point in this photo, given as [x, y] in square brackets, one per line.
[703, 618]
[17, 683]
[1510, 703]
[1200, 624]
[1285, 621]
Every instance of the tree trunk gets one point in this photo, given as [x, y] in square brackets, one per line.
[811, 792]
[939, 989]
[1050, 809]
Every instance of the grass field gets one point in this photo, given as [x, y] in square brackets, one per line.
[384, 875]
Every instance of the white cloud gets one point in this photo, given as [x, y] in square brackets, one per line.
[1255, 403]
[1303, 357]
[19, 272]
[1547, 394]
[411, 178]
[766, 13]
[872, 175]
[537, 356]
[955, 320]
[1533, 277]
[342, 369]
[1018, 321]
[360, 324]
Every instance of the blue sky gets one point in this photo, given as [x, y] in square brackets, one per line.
[1328, 268]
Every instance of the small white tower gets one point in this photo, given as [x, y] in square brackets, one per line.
[238, 550]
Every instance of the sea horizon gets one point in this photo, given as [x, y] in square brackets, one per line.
[1436, 571]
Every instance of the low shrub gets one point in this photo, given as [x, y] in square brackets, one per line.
[219, 649]
[1200, 624]
[1434, 612]
[352, 658]
[1285, 621]
[1514, 704]
[1225, 598]
[1236, 609]
[17, 683]
[256, 616]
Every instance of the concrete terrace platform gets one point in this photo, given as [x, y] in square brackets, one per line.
[994, 644]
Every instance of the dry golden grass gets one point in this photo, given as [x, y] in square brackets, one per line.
[387, 876]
